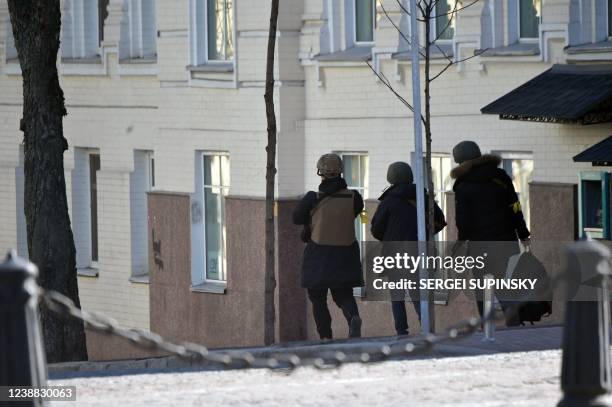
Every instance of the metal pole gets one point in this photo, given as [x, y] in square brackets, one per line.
[22, 355]
[489, 325]
[418, 165]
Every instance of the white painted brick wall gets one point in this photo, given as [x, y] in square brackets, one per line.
[351, 112]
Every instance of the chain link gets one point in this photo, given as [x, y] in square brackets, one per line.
[367, 353]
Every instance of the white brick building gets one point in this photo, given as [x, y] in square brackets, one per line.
[168, 95]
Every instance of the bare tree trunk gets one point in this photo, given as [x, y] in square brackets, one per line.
[36, 28]
[270, 279]
[430, 221]
[427, 90]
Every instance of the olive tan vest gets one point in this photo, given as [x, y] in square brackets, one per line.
[333, 219]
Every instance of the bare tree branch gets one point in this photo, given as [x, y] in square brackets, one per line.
[457, 10]
[404, 9]
[386, 82]
[398, 29]
[457, 62]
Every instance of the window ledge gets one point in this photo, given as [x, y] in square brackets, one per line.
[88, 272]
[138, 61]
[82, 61]
[355, 54]
[83, 66]
[592, 48]
[514, 50]
[212, 68]
[140, 279]
[210, 287]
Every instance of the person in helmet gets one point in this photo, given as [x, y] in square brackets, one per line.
[331, 257]
[487, 208]
[395, 220]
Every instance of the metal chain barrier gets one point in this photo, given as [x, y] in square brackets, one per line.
[65, 307]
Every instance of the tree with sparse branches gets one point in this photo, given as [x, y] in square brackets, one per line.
[269, 278]
[36, 29]
[429, 14]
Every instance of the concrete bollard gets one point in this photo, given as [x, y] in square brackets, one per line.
[22, 354]
[585, 372]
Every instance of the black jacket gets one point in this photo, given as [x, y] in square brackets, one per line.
[329, 266]
[396, 217]
[486, 203]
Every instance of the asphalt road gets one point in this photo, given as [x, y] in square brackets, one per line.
[504, 379]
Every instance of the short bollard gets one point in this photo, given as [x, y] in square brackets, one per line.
[585, 372]
[488, 309]
[22, 354]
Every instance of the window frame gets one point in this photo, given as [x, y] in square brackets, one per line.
[363, 43]
[80, 51]
[134, 40]
[518, 155]
[199, 272]
[609, 19]
[603, 177]
[10, 49]
[526, 40]
[434, 24]
[195, 49]
[94, 231]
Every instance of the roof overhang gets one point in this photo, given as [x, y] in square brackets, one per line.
[599, 154]
[573, 94]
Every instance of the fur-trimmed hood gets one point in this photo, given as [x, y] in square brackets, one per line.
[466, 167]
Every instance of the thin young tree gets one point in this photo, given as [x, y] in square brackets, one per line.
[442, 14]
[430, 15]
[36, 29]
[270, 279]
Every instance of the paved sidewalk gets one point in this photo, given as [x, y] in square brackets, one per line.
[522, 339]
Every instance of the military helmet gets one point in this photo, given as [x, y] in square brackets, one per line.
[399, 173]
[465, 151]
[329, 165]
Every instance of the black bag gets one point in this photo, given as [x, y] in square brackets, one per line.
[528, 266]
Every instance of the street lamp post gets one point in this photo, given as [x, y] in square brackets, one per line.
[418, 150]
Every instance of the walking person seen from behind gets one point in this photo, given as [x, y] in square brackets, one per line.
[487, 209]
[395, 220]
[332, 260]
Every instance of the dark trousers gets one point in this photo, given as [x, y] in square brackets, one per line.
[343, 297]
[399, 315]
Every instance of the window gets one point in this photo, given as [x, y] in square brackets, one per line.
[212, 33]
[529, 19]
[142, 180]
[85, 206]
[209, 263]
[364, 20]
[609, 18]
[94, 167]
[138, 30]
[22, 233]
[519, 167]
[356, 176]
[102, 14]
[445, 20]
[594, 191]
[440, 171]
[83, 28]
[9, 45]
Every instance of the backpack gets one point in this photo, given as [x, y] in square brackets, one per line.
[528, 266]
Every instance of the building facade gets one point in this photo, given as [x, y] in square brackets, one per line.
[167, 132]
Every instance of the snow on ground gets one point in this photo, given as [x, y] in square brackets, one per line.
[505, 379]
